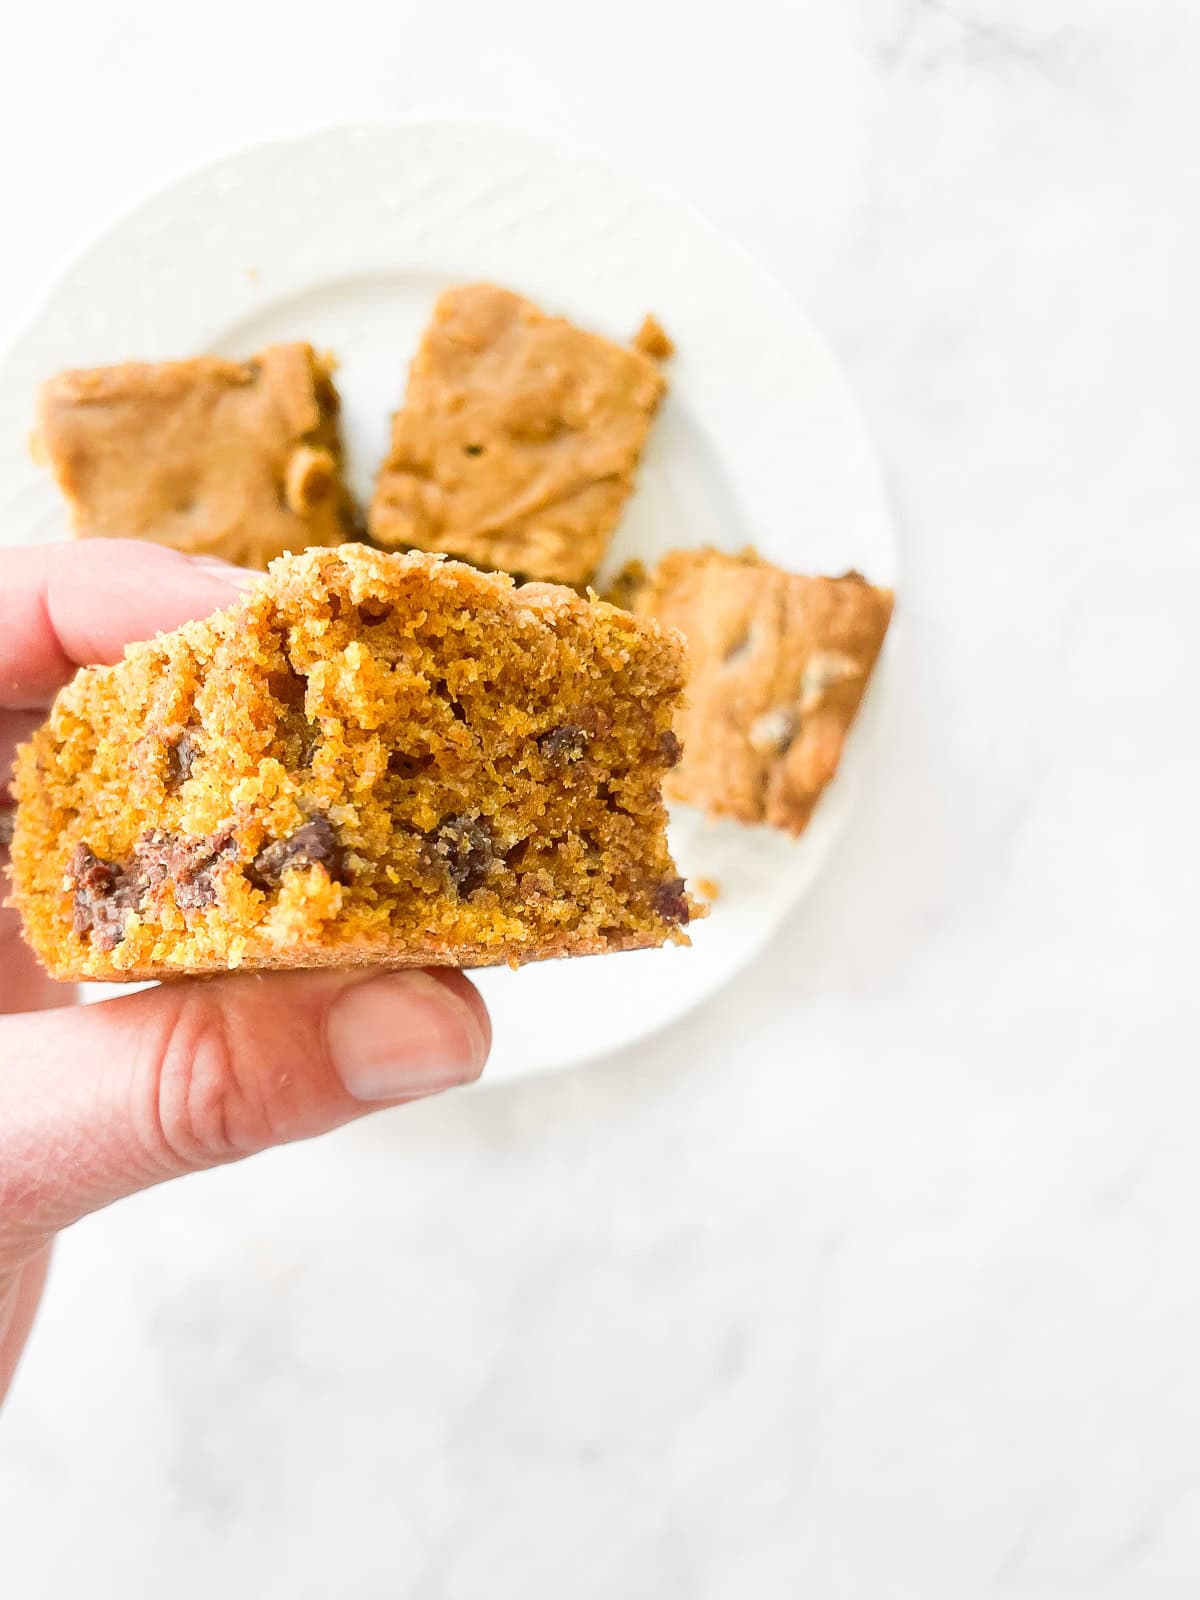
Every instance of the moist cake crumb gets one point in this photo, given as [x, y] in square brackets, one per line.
[371, 758]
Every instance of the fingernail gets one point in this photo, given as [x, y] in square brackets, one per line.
[401, 1035]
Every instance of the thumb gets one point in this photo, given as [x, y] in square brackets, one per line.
[99, 1101]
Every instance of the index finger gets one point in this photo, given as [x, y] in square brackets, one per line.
[70, 605]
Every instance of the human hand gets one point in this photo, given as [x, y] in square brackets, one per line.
[97, 1102]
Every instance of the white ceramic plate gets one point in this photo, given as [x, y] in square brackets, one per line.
[344, 238]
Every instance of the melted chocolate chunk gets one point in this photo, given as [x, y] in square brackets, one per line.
[570, 740]
[188, 863]
[670, 901]
[566, 743]
[181, 758]
[465, 848]
[669, 748]
[105, 892]
[314, 845]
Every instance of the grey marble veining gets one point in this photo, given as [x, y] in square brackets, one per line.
[877, 1276]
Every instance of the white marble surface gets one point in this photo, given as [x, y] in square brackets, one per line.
[878, 1276]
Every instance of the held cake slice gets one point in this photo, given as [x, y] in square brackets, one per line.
[518, 439]
[372, 758]
[235, 459]
[778, 664]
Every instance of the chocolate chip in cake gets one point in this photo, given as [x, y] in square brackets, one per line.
[104, 893]
[465, 848]
[670, 748]
[568, 742]
[670, 901]
[189, 863]
[313, 845]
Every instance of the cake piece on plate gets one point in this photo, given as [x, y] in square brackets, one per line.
[237, 459]
[778, 666]
[518, 439]
[371, 758]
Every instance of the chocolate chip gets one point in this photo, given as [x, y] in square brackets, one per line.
[372, 612]
[105, 892]
[8, 822]
[568, 742]
[189, 863]
[669, 748]
[181, 757]
[464, 847]
[313, 845]
[670, 901]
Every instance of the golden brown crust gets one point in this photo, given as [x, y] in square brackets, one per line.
[240, 460]
[373, 758]
[779, 664]
[518, 439]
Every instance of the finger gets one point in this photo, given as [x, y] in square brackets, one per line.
[24, 984]
[70, 605]
[99, 1101]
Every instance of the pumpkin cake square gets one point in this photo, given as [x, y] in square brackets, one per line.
[371, 758]
[236, 459]
[518, 439]
[779, 664]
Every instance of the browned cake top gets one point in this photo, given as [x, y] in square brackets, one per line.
[235, 459]
[519, 435]
[779, 664]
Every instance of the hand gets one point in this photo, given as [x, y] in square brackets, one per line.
[99, 1101]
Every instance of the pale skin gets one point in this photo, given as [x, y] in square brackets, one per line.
[98, 1102]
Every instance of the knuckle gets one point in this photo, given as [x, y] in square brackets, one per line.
[206, 1106]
